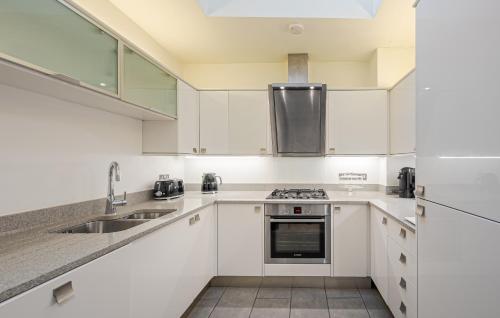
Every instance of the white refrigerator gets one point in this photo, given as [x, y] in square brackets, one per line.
[458, 158]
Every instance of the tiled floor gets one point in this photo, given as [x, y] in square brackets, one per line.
[235, 302]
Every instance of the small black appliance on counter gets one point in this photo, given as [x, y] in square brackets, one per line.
[407, 182]
[209, 183]
[166, 188]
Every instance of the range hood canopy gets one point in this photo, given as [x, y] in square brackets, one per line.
[298, 112]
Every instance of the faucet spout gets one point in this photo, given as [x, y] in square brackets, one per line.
[111, 202]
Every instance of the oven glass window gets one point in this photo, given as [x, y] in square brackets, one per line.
[297, 240]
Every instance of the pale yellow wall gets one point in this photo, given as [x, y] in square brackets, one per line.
[110, 16]
[393, 64]
[235, 76]
[259, 75]
[341, 74]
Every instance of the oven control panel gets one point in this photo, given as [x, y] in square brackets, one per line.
[291, 209]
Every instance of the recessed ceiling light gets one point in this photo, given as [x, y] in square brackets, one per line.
[296, 29]
[102, 84]
[312, 87]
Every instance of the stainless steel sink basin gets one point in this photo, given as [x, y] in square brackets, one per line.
[102, 226]
[149, 214]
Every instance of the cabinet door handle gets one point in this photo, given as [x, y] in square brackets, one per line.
[257, 209]
[263, 149]
[402, 283]
[63, 293]
[203, 150]
[402, 308]
[336, 210]
[195, 150]
[332, 150]
[192, 220]
[384, 220]
[402, 258]
[402, 233]
[197, 217]
[420, 190]
[420, 210]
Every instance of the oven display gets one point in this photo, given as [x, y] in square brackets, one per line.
[297, 210]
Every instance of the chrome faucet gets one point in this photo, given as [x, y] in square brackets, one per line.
[111, 203]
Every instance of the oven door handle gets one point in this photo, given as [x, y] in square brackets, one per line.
[297, 220]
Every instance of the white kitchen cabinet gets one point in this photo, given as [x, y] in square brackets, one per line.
[172, 265]
[458, 264]
[402, 101]
[181, 136]
[379, 257]
[100, 288]
[248, 122]
[214, 122]
[240, 229]
[357, 122]
[458, 155]
[351, 241]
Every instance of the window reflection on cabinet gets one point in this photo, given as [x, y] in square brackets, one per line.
[50, 37]
[147, 85]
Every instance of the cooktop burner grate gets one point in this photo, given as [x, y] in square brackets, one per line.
[299, 194]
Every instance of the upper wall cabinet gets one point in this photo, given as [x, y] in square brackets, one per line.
[214, 122]
[402, 100]
[147, 85]
[248, 122]
[50, 37]
[179, 136]
[357, 122]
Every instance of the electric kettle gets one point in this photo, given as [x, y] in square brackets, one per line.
[209, 182]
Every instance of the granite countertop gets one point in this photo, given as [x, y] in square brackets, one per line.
[30, 258]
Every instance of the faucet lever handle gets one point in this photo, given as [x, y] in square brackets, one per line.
[124, 195]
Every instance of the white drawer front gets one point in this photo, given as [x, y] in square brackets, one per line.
[402, 263]
[403, 236]
[402, 298]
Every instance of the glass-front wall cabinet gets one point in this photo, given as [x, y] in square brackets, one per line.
[146, 84]
[47, 35]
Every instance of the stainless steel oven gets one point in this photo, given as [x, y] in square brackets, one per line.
[297, 233]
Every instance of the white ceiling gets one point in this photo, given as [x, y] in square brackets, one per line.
[347, 9]
[182, 28]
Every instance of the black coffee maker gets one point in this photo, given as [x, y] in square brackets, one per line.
[406, 182]
[209, 183]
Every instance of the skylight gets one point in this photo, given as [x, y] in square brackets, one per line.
[339, 9]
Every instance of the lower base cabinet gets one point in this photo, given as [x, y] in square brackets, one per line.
[98, 289]
[172, 265]
[240, 230]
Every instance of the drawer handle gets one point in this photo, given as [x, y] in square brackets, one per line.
[420, 190]
[192, 221]
[402, 233]
[402, 283]
[402, 258]
[196, 217]
[336, 210]
[384, 220]
[402, 308]
[420, 210]
[63, 292]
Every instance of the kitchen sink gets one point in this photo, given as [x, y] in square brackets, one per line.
[149, 214]
[103, 226]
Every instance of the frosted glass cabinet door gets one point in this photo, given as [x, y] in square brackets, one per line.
[53, 38]
[145, 84]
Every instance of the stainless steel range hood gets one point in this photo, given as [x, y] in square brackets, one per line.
[298, 113]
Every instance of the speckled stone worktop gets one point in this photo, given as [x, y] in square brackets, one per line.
[30, 258]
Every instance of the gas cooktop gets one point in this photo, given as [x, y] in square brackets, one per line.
[299, 194]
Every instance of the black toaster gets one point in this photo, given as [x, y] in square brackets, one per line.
[168, 189]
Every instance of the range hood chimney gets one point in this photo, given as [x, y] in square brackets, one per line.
[298, 112]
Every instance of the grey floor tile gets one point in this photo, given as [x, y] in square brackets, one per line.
[349, 313]
[275, 293]
[203, 308]
[231, 312]
[372, 299]
[213, 293]
[309, 313]
[271, 308]
[238, 297]
[309, 298]
[380, 313]
[277, 281]
[346, 303]
[342, 293]
[308, 282]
